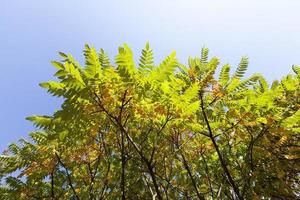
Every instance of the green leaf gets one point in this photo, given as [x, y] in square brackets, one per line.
[38, 137]
[242, 85]
[262, 120]
[146, 60]
[93, 66]
[275, 84]
[224, 74]
[243, 65]
[263, 84]
[57, 65]
[41, 121]
[204, 55]
[54, 88]
[125, 62]
[63, 54]
[104, 59]
[165, 69]
[296, 69]
[63, 135]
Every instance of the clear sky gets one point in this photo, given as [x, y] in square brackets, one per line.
[33, 31]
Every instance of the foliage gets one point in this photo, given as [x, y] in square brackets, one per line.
[163, 132]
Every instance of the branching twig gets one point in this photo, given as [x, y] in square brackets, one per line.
[222, 161]
[68, 176]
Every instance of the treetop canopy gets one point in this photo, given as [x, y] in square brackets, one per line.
[172, 131]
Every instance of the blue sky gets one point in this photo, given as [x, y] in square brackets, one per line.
[32, 32]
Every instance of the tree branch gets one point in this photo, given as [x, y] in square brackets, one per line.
[68, 176]
[222, 161]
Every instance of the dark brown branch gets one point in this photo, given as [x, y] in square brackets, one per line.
[68, 176]
[213, 101]
[250, 155]
[52, 185]
[186, 166]
[123, 167]
[174, 188]
[92, 176]
[208, 176]
[157, 135]
[222, 161]
[123, 157]
[99, 103]
[237, 123]
[105, 181]
[116, 121]
[108, 170]
[146, 161]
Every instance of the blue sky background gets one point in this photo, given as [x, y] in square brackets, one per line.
[33, 31]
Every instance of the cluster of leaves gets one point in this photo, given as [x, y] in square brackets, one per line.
[170, 131]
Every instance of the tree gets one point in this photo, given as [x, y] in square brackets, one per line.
[170, 131]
